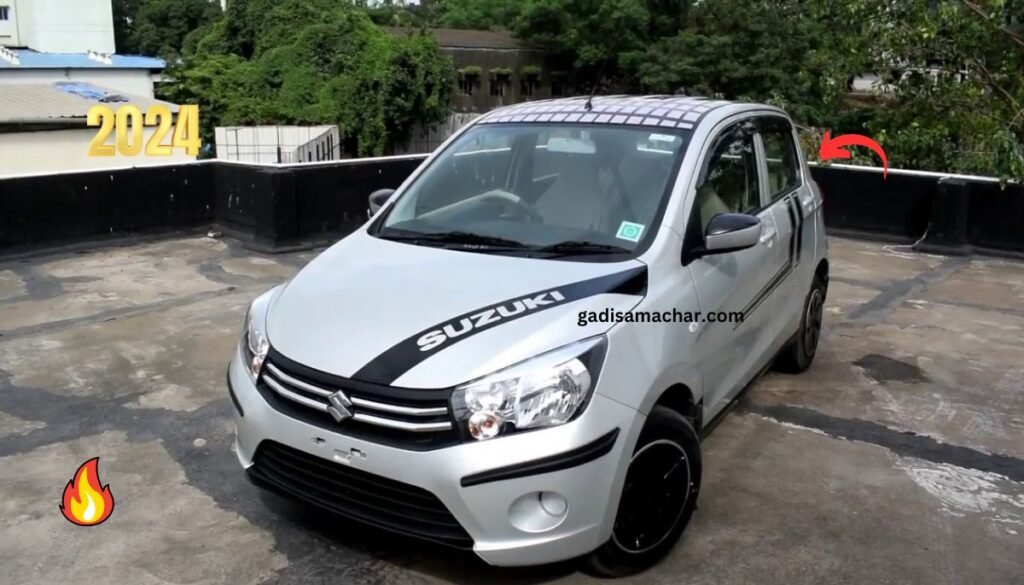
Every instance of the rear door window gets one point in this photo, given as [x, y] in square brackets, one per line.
[780, 156]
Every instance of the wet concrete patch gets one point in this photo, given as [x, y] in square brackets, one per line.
[114, 280]
[11, 286]
[898, 291]
[162, 529]
[11, 425]
[172, 358]
[827, 477]
[257, 268]
[962, 491]
[903, 443]
[792, 506]
[884, 369]
[844, 297]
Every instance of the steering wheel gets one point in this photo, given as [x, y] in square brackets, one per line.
[528, 210]
[511, 201]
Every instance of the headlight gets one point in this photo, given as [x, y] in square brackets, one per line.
[255, 344]
[550, 389]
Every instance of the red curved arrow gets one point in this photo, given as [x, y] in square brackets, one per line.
[834, 148]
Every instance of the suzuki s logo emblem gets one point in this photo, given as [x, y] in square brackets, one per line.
[339, 406]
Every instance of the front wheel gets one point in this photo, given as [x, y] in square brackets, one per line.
[658, 497]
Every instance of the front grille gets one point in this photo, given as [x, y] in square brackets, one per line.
[402, 417]
[357, 494]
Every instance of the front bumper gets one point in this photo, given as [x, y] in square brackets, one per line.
[482, 484]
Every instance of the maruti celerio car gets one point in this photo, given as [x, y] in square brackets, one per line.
[519, 351]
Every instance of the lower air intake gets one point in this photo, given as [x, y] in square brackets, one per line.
[356, 494]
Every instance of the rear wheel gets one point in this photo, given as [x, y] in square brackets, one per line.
[658, 497]
[798, 355]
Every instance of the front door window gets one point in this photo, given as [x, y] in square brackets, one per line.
[730, 184]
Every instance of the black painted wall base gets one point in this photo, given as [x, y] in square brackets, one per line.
[279, 208]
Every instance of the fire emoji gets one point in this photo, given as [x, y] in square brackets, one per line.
[86, 502]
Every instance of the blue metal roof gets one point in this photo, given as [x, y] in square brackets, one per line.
[29, 59]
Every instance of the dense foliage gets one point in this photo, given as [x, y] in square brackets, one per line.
[159, 27]
[949, 97]
[311, 62]
[124, 12]
[956, 71]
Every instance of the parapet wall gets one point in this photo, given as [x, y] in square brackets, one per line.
[278, 207]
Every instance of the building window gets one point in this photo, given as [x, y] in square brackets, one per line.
[469, 80]
[501, 81]
[529, 79]
[5, 12]
[559, 84]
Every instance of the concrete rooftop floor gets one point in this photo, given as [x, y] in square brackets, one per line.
[898, 458]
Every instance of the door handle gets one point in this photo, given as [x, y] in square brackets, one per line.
[768, 235]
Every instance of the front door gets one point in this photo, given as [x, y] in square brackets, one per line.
[742, 281]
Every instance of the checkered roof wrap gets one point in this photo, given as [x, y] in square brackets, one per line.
[662, 111]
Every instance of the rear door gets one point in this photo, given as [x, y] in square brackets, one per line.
[731, 181]
[788, 196]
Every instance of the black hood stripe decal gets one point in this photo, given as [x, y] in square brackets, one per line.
[410, 352]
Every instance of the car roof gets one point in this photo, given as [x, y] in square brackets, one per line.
[665, 111]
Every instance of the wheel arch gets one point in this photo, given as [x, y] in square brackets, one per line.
[679, 398]
[821, 271]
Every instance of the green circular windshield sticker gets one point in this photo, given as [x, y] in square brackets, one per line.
[630, 231]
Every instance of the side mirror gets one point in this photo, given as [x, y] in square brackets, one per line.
[729, 232]
[377, 200]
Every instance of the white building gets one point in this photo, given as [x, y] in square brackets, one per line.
[43, 128]
[58, 26]
[129, 74]
[48, 41]
[278, 144]
[56, 62]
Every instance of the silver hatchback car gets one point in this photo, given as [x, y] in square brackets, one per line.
[519, 351]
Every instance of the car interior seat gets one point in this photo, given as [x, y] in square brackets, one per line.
[637, 190]
[710, 205]
[574, 199]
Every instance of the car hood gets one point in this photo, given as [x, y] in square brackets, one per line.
[425, 317]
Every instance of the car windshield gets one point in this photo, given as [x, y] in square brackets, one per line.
[535, 189]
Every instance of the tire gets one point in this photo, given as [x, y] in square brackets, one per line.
[797, 356]
[653, 511]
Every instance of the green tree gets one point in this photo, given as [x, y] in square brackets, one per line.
[951, 96]
[124, 12]
[476, 14]
[952, 71]
[599, 41]
[736, 49]
[588, 33]
[314, 62]
[160, 26]
[954, 84]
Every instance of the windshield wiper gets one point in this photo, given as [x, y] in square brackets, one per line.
[580, 247]
[458, 238]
